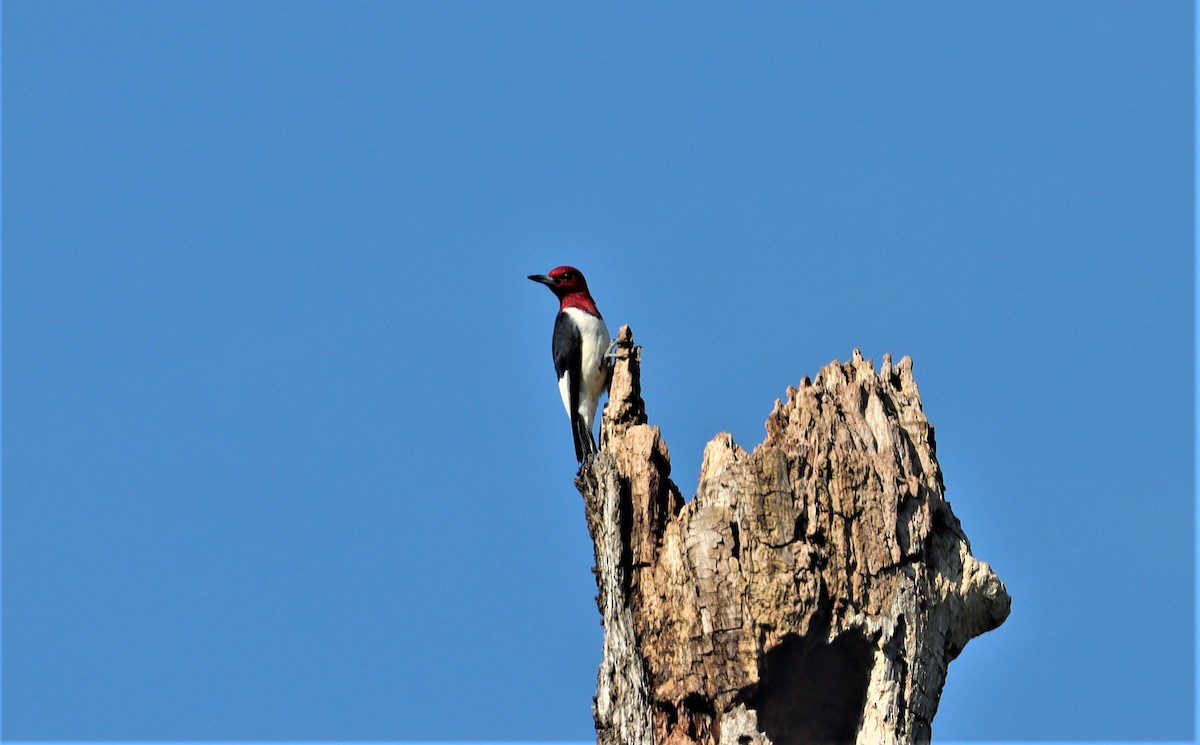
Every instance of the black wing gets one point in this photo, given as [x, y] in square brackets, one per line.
[567, 349]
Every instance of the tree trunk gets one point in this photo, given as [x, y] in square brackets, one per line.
[813, 591]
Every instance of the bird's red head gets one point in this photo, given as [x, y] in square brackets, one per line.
[568, 284]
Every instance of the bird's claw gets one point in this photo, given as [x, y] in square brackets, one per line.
[612, 353]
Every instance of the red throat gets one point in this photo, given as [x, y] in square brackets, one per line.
[581, 300]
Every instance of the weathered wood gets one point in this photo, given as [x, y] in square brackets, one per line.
[814, 590]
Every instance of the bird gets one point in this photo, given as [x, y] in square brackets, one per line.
[579, 347]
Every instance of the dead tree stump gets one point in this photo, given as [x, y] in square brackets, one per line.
[813, 591]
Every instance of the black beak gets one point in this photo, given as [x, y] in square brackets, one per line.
[548, 281]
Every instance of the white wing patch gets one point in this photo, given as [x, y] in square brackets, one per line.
[564, 390]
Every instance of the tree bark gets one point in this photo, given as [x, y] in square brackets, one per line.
[813, 591]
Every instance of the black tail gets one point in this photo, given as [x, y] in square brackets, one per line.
[585, 445]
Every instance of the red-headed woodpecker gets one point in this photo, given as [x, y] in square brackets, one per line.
[579, 347]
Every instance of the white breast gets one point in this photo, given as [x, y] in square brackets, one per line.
[594, 335]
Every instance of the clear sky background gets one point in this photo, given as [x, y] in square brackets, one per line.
[283, 456]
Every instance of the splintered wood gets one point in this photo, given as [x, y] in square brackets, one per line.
[813, 591]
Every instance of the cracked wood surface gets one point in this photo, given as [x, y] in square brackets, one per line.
[814, 590]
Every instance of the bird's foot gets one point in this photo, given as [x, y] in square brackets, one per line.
[614, 352]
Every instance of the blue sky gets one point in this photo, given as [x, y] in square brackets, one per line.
[282, 453]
